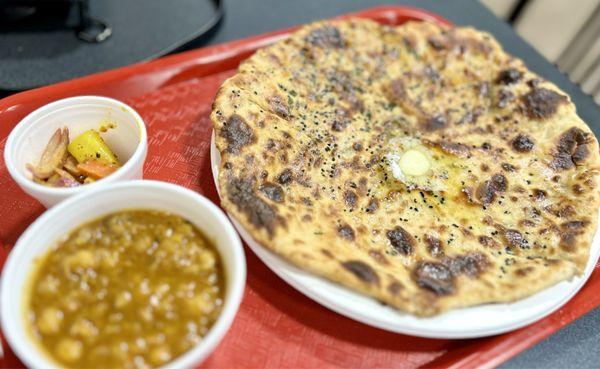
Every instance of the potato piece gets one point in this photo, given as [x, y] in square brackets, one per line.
[89, 145]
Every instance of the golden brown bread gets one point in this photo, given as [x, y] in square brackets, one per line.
[420, 164]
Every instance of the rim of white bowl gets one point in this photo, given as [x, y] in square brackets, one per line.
[23, 181]
[36, 358]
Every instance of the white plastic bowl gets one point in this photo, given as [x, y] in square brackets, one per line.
[28, 139]
[75, 211]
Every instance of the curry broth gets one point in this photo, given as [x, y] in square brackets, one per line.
[133, 289]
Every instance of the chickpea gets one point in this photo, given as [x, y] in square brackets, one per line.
[207, 259]
[70, 302]
[123, 299]
[169, 246]
[142, 244]
[109, 259]
[198, 305]
[83, 328]
[83, 236]
[50, 320]
[49, 285]
[146, 314]
[160, 355]
[79, 261]
[116, 225]
[69, 350]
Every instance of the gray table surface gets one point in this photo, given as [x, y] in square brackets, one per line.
[577, 345]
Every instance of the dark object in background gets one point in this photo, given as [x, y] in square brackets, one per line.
[90, 29]
[517, 10]
[26, 13]
[48, 41]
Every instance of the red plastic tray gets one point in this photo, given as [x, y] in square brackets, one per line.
[276, 326]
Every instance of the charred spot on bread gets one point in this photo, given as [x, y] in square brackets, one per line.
[435, 277]
[362, 271]
[436, 43]
[580, 154]
[486, 241]
[434, 246]
[522, 143]
[504, 97]
[471, 264]
[499, 182]
[350, 198]
[339, 124]
[237, 133]
[272, 191]
[568, 240]
[515, 238]
[574, 225]
[455, 148]
[372, 206]
[509, 76]
[401, 240]
[439, 277]
[571, 149]
[259, 213]
[508, 167]
[522, 272]
[378, 257]
[434, 123]
[541, 103]
[569, 231]
[327, 36]
[327, 253]
[539, 195]
[285, 177]
[394, 91]
[394, 288]
[346, 232]
[279, 107]
[486, 191]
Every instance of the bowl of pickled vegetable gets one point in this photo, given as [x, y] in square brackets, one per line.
[148, 274]
[75, 144]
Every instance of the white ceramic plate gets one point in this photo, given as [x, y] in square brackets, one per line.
[478, 321]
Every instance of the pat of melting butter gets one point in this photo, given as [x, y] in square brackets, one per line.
[413, 164]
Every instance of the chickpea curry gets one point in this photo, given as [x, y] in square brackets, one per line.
[134, 289]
